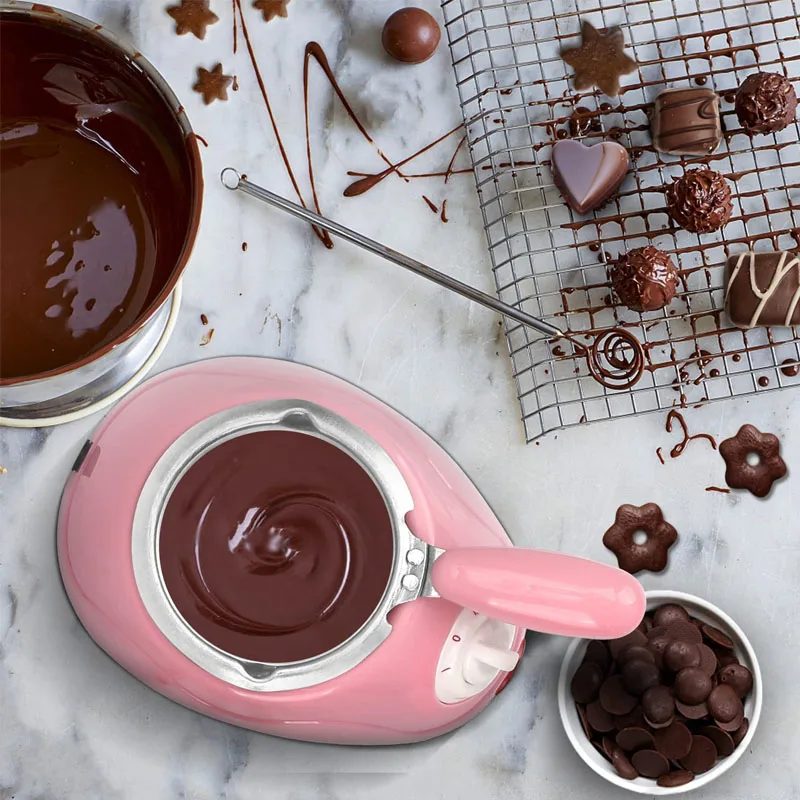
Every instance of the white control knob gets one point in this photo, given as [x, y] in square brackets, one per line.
[476, 651]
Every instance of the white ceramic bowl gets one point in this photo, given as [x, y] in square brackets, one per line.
[702, 610]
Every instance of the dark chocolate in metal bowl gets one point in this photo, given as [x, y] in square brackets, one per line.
[100, 196]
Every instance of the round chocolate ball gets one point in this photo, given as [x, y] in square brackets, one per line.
[411, 35]
[700, 201]
[645, 279]
[766, 103]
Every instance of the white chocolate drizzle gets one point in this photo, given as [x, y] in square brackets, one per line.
[787, 262]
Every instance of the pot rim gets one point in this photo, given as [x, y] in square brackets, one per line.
[75, 21]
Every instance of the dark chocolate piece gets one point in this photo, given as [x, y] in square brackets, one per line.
[700, 201]
[645, 279]
[616, 646]
[723, 741]
[756, 478]
[588, 177]
[692, 686]
[600, 60]
[717, 637]
[702, 756]
[674, 741]
[631, 739]
[615, 698]
[586, 682]
[738, 677]
[687, 122]
[740, 732]
[679, 777]
[272, 8]
[650, 763]
[732, 725]
[698, 711]
[640, 676]
[650, 555]
[411, 35]
[679, 654]
[599, 719]
[192, 16]
[635, 652]
[669, 613]
[708, 661]
[597, 652]
[213, 84]
[685, 632]
[763, 289]
[766, 103]
[622, 764]
[724, 704]
[658, 705]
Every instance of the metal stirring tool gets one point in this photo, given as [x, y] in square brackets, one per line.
[615, 358]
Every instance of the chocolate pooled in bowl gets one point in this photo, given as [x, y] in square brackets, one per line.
[100, 190]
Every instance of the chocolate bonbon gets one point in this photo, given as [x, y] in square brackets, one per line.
[601, 59]
[632, 556]
[411, 35]
[644, 279]
[763, 289]
[700, 201]
[686, 719]
[739, 450]
[687, 122]
[588, 177]
[766, 103]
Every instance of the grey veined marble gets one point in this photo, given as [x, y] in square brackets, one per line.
[75, 725]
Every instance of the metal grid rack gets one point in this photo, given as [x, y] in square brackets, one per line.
[517, 98]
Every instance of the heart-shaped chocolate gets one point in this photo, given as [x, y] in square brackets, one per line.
[588, 176]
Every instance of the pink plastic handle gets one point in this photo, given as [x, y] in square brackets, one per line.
[548, 592]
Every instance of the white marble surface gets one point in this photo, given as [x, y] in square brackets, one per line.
[74, 725]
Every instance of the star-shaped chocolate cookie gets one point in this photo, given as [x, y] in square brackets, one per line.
[192, 16]
[272, 8]
[633, 522]
[600, 60]
[212, 85]
[763, 450]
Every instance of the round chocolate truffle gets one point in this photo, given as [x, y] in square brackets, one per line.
[766, 103]
[645, 279]
[411, 35]
[700, 201]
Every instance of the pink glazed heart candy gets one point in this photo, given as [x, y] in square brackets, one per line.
[588, 176]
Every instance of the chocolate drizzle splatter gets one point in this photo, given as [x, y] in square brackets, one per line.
[677, 451]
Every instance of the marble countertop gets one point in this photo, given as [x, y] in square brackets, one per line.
[75, 725]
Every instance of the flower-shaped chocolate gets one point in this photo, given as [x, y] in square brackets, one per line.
[622, 539]
[763, 449]
[700, 201]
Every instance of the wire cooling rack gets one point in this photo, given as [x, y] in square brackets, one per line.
[517, 99]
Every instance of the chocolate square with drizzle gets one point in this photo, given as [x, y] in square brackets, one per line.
[687, 122]
[763, 289]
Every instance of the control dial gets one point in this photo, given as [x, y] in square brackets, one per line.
[477, 649]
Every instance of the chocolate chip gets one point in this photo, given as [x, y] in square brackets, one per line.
[708, 661]
[635, 652]
[702, 756]
[738, 677]
[617, 645]
[586, 682]
[717, 637]
[609, 746]
[658, 705]
[640, 675]
[697, 711]
[685, 631]
[633, 719]
[676, 778]
[634, 739]
[674, 741]
[645, 625]
[722, 741]
[597, 653]
[681, 654]
[669, 614]
[622, 765]
[692, 686]
[599, 719]
[584, 721]
[650, 763]
[615, 698]
[732, 725]
[723, 703]
[725, 657]
[740, 732]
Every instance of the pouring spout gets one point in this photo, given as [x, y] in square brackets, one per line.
[542, 591]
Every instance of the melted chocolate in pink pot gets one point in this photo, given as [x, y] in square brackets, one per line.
[95, 195]
[276, 546]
